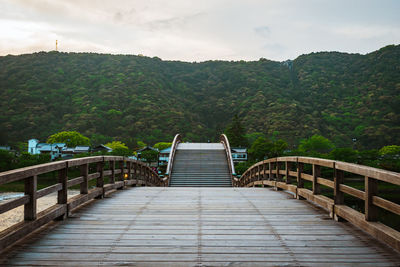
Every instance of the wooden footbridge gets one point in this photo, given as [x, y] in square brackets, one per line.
[264, 219]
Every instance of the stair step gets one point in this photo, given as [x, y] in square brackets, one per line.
[205, 167]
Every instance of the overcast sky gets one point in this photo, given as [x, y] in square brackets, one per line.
[198, 30]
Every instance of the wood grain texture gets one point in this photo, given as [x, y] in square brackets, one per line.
[163, 226]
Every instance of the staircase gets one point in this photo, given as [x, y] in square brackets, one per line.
[200, 165]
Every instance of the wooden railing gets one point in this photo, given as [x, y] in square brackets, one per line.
[129, 172]
[175, 143]
[224, 140]
[289, 173]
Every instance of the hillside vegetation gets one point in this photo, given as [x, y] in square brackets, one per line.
[129, 98]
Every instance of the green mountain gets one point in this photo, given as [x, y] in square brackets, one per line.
[340, 96]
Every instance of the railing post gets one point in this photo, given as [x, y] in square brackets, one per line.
[338, 195]
[100, 179]
[112, 167]
[265, 171]
[300, 182]
[30, 208]
[277, 176]
[288, 166]
[316, 170]
[143, 175]
[84, 173]
[135, 172]
[371, 189]
[129, 166]
[269, 170]
[62, 196]
[121, 167]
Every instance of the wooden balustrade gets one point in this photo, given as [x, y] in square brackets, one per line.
[270, 173]
[137, 174]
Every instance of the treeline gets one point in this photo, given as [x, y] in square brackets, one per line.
[388, 157]
[130, 98]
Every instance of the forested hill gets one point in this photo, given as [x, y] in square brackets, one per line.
[128, 98]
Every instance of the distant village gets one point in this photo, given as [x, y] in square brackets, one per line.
[61, 151]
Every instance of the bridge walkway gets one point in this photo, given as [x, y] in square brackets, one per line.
[171, 226]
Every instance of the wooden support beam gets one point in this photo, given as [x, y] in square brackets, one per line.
[316, 170]
[338, 194]
[121, 167]
[30, 208]
[129, 166]
[62, 195]
[84, 173]
[288, 166]
[270, 170]
[112, 167]
[100, 179]
[300, 182]
[371, 190]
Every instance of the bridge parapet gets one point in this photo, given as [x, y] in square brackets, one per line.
[175, 143]
[290, 173]
[224, 140]
[117, 171]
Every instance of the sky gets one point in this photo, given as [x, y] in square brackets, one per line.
[199, 30]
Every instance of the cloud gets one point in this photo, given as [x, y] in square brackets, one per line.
[263, 31]
[199, 30]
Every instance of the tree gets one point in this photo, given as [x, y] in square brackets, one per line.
[316, 144]
[149, 156]
[392, 150]
[119, 148]
[259, 149]
[141, 144]
[6, 160]
[390, 158]
[162, 145]
[252, 137]
[236, 133]
[264, 147]
[278, 148]
[344, 154]
[70, 138]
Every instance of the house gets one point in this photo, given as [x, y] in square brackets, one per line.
[164, 156]
[146, 148]
[55, 150]
[81, 149]
[101, 148]
[5, 148]
[239, 154]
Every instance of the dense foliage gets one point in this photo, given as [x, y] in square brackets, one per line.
[70, 138]
[9, 160]
[236, 133]
[130, 98]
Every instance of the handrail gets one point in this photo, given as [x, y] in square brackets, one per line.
[175, 143]
[224, 140]
[282, 172]
[129, 172]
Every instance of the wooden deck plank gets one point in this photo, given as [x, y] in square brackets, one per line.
[148, 226]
